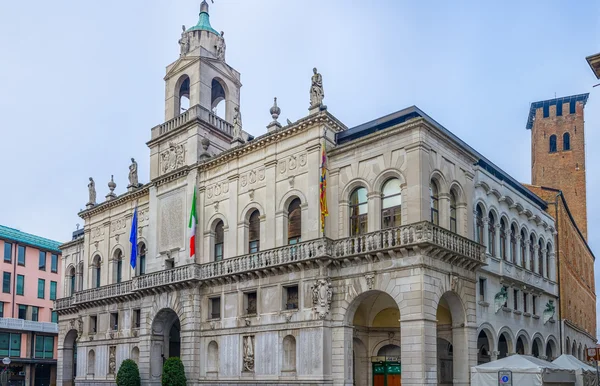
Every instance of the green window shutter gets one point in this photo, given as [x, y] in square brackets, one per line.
[48, 347]
[39, 346]
[20, 285]
[41, 288]
[15, 345]
[54, 317]
[6, 282]
[52, 290]
[4, 343]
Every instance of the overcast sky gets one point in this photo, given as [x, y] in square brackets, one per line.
[81, 82]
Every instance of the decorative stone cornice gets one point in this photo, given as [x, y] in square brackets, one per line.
[119, 200]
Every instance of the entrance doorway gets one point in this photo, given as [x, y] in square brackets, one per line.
[387, 369]
[165, 340]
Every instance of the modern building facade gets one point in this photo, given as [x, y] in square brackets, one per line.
[31, 280]
[559, 177]
[387, 291]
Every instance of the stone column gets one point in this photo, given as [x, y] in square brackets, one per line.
[201, 227]
[526, 257]
[231, 247]
[544, 267]
[536, 262]
[464, 343]
[494, 355]
[374, 210]
[485, 240]
[313, 225]
[332, 229]
[444, 209]
[518, 257]
[281, 224]
[552, 269]
[341, 355]
[270, 206]
[498, 253]
[418, 350]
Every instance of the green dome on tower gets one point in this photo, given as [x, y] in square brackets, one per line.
[204, 20]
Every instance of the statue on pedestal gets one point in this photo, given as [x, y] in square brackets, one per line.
[92, 192]
[221, 47]
[237, 124]
[184, 42]
[133, 174]
[316, 90]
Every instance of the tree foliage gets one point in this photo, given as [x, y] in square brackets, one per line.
[129, 374]
[173, 373]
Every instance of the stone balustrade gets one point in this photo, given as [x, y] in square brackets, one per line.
[194, 112]
[459, 249]
[28, 325]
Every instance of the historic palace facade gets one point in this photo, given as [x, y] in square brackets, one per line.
[388, 289]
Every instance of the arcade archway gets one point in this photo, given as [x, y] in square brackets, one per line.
[165, 340]
[69, 355]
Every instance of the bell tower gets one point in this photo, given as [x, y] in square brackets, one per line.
[202, 98]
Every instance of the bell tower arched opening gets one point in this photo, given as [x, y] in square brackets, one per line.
[182, 94]
[218, 98]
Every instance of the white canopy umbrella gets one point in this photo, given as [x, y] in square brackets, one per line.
[585, 374]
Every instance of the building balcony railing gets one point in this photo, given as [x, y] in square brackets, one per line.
[191, 114]
[441, 243]
[28, 325]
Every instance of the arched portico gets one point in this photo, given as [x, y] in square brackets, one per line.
[165, 341]
[452, 341]
[69, 359]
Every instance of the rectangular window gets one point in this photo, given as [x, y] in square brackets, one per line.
[54, 263]
[42, 263]
[20, 285]
[533, 304]
[93, 324]
[41, 288]
[54, 317]
[250, 303]
[114, 321]
[290, 297]
[22, 311]
[1, 309]
[6, 282]
[21, 255]
[35, 313]
[546, 110]
[572, 107]
[44, 347]
[10, 345]
[524, 301]
[516, 299]
[559, 109]
[137, 318]
[214, 311]
[253, 246]
[52, 290]
[7, 252]
[482, 282]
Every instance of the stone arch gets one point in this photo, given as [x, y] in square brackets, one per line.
[438, 177]
[386, 175]
[537, 345]
[219, 92]
[353, 305]
[567, 345]
[213, 220]
[70, 280]
[212, 357]
[96, 270]
[524, 340]
[118, 262]
[451, 316]
[451, 287]
[579, 352]
[135, 354]
[181, 90]
[492, 209]
[509, 342]
[384, 345]
[459, 193]
[351, 186]
[248, 209]
[574, 348]
[69, 356]
[481, 204]
[288, 197]
[551, 348]
[165, 339]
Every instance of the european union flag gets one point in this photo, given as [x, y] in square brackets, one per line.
[133, 239]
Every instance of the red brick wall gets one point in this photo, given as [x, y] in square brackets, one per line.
[576, 263]
[564, 170]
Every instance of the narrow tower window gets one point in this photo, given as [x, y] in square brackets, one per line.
[566, 141]
[553, 143]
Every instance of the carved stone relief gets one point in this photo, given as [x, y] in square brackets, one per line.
[248, 359]
[171, 221]
[112, 359]
[252, 177]
[217, 189]
[118, 225]
[97, 232]
[370, 280]
[292, 162]
[322, 294]
[172, 158]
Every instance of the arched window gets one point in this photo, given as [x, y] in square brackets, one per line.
[119, 266]
[503, 254]
[531, 252]
[294, 222]
[97, 264]
[289, 353]
[566, 141]
[435, 203]
[553, 143]
[219, 241]
[358, 212]
[523, 249]
[492, 234]
[142, 258]
[218, 98]
[540, 258]
[391, 207]
[453, 212]
[72, 278]
[479, 225]
[513, 244]
[254, 232]
[183, 95]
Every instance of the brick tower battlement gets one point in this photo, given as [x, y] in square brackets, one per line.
[558, 150]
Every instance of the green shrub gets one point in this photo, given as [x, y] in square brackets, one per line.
[129, 374]
[173, 373]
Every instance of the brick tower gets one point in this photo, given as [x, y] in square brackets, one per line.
[558, 150]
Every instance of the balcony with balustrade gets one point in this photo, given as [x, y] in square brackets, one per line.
[194, 113]
[391, 243]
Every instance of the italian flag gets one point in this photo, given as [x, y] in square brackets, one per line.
[192, 227]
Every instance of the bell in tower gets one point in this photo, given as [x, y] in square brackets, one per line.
[202, 96]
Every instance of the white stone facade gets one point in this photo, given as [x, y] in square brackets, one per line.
[505, 221]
